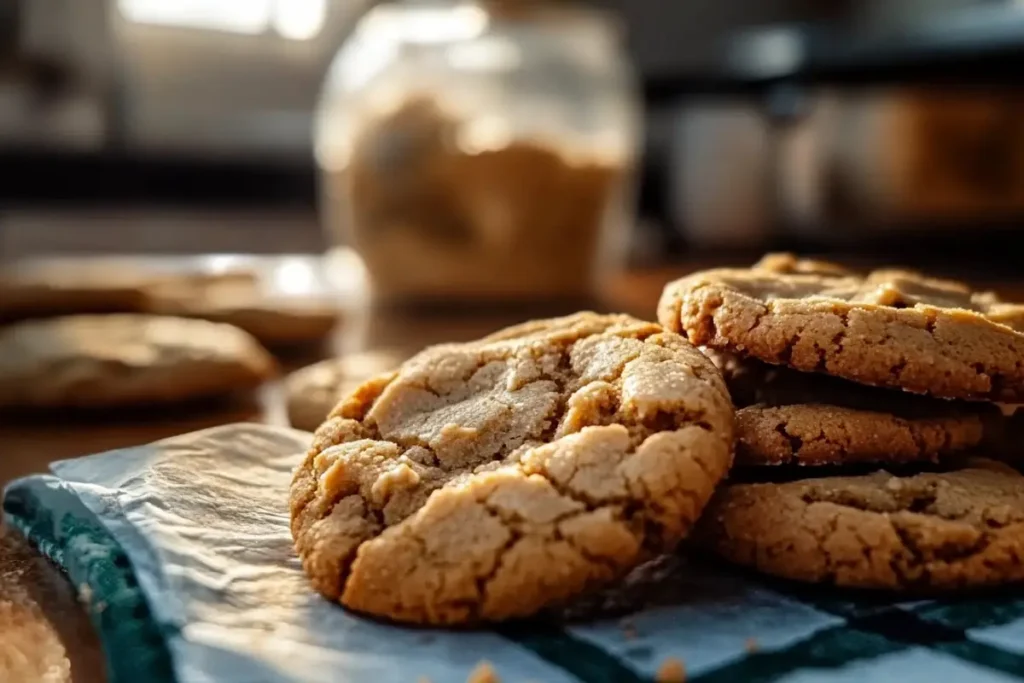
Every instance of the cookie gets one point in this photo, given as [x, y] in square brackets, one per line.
[102, 361]
[925, 532]
[237, 299]
[785, 417]
[889, 328]
[822, 434]
[67, 286]
[312, 392]
[488, 480]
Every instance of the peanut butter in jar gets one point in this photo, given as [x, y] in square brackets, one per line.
[456, 178]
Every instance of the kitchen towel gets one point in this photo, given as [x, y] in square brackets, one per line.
[184, 552]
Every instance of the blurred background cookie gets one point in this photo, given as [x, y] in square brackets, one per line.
[39, 289]
[239, 299]
[312, 392]
[106, 361]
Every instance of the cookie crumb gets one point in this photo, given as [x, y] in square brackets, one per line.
[628, 628]
[671, 670]
[751, 645]
[423, 679]
[84, 593]
[483, 673]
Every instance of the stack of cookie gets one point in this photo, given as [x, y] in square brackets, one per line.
[863, 405]
[492, 479]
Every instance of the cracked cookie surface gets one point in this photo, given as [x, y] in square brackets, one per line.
[94, 361]
[932, 531]
[488, 480]
[788, 417]
[888, 328]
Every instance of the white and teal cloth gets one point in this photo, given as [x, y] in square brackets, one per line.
[183, 549]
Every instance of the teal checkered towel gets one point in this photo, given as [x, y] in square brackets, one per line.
[184, 551]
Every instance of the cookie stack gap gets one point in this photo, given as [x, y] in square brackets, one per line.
[836, 373]
[786, 417]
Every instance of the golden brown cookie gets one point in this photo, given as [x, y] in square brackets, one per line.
[933, 531]
[788, 417]
[488, 480]
[822, 434]
[312, 392]
[889, 328]
[237, 299]
[97, 361]
[69, 286]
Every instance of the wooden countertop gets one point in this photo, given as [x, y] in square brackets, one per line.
[46, 633]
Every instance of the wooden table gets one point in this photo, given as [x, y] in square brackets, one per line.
[42, 627]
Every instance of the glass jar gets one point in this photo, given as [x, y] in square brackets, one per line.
[480, 150]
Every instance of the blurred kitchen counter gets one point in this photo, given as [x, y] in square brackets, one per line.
[37, 603]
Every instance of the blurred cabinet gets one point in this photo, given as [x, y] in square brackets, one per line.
[246, 88]
[183, 77]
[71, 39]
[720, 191]
[915, 157]
[847, 166]
[685, 39]
[901, 12]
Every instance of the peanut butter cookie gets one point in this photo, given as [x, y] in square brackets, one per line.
[485, 481]
[933, 531]
[313, 391]
[790, 417]
[822, 434]
[97, 361]
[889, 328]
[237, 299]
[36, 289]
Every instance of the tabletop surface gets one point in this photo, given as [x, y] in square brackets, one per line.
[43, 626]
